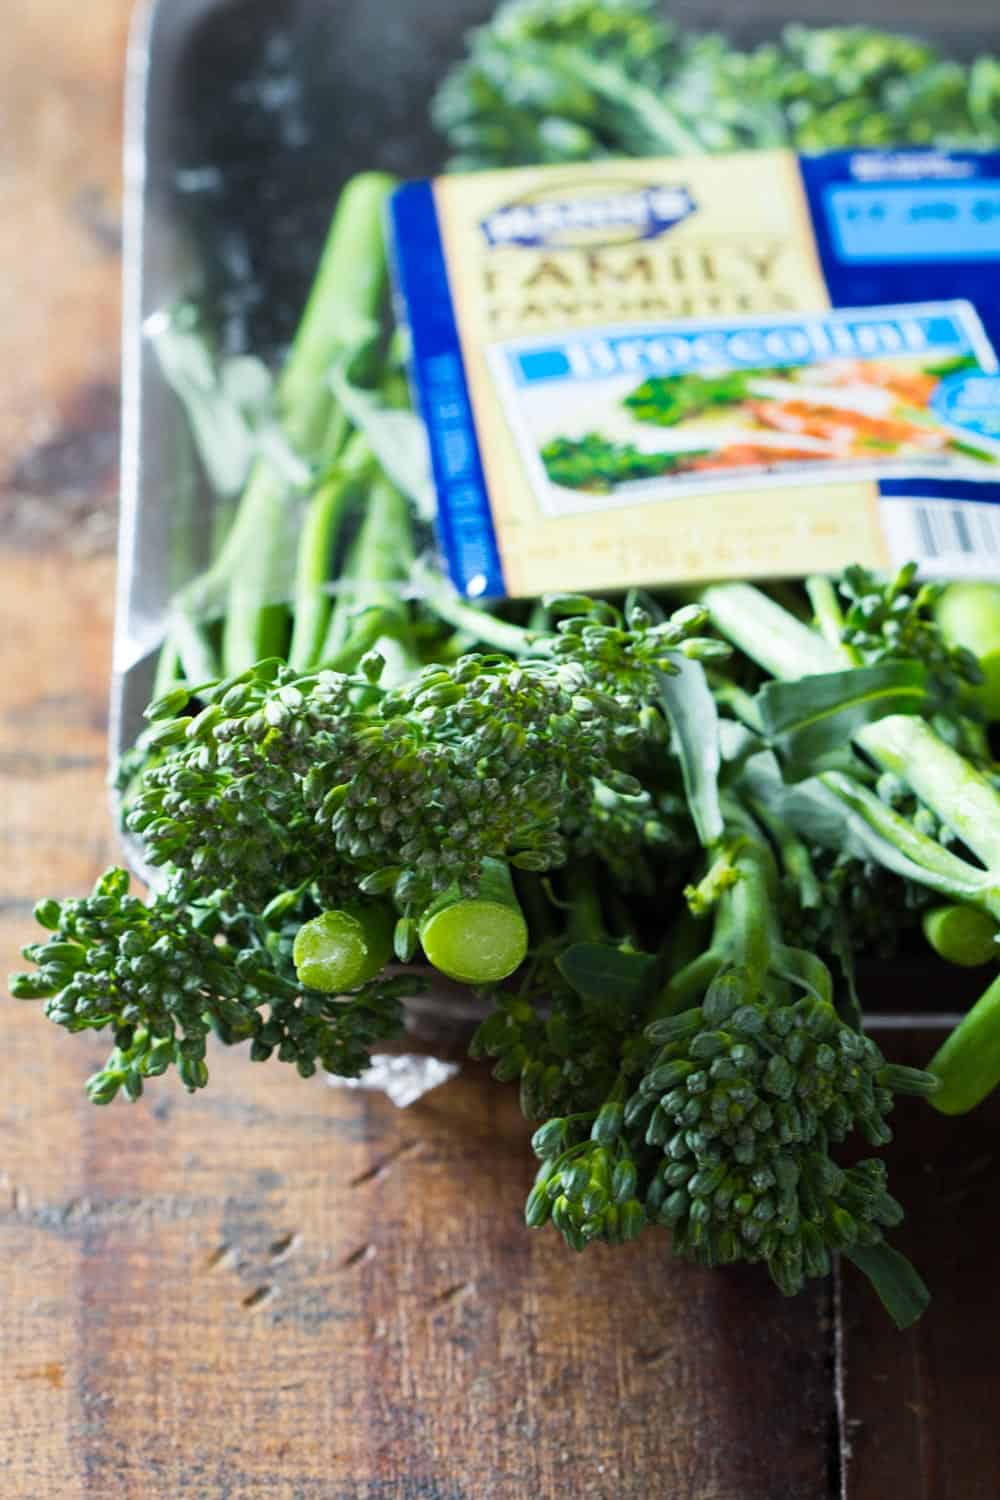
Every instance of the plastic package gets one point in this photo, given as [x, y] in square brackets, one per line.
[403, 1077]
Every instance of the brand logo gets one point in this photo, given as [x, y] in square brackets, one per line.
[617, 215]
[884, 166]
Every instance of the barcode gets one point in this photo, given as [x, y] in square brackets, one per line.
[948, 538]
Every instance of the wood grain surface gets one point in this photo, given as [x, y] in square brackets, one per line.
[279, 1290]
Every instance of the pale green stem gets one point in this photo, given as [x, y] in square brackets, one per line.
[942, 778]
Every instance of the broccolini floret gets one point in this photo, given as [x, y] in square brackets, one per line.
[723, 1129]
[162, 976]
[583, 79]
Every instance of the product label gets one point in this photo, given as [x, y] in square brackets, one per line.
[746, 365]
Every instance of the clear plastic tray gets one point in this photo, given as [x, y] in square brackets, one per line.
[243, 119]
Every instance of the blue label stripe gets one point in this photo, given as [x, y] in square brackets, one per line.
[464, 521]
[866, 259]
[940, 489]
[840, 184]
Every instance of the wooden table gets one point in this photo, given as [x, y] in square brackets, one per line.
[278, 1290]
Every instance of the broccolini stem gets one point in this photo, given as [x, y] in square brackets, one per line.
[381, 553]
[941, 870]
[342, 313]
[744, 933]
[968, 1063]
[951, 787]
[535, 904]
[793, 854]
[745, 928]
[737, 699]
[829, 615]
[254, 623]
[343, 615]
[766, 632]
[169, 672]
[685, 940]
[379, 564]
[686, 987]
[186, 655]
[585, 920]
[373, 628]
[189, 638]
[322, 523]
[448, 605]
[340, 318]
[962, 935]
[478, 939]
[384, 551]
[344, 948]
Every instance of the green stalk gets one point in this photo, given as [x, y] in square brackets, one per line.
[968, 1063]
[476, 622]
[687, 986]
[935, 866]
[342, 621]
[340, 318]
[793, 854]
[685, 940]
[255, 625]
[585, 919]
[535, 904]
[379, 564]
[954, 789]
[384, 552]
[196, 654]
[478, 939]
[318, 537]
[169, 672]
[374, 628]
[345, 947]
[745, 929]
[962, 935]
[736, 699]
[829, 616]
[744, 932]
[765, 632]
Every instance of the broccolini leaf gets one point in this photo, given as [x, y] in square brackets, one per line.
[596, 970]
[814, 718]
[900, 1289]
[690, 707]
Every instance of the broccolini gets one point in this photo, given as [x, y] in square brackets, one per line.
[656, 834]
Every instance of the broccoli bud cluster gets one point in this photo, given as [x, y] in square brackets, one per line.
[283, 779]
[744, 1102]
[726, 1140]
[892, 619]
[163, 976]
